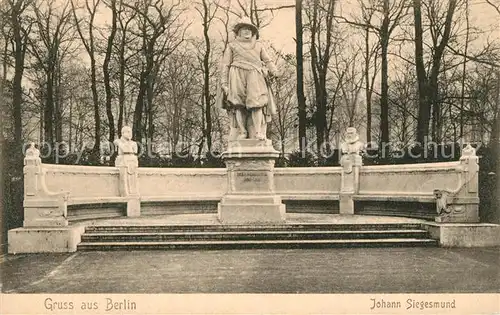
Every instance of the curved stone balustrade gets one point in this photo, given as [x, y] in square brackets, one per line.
[56, 195]
[88, 190]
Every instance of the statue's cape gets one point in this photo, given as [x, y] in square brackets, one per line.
[271, 105]
[221, 97]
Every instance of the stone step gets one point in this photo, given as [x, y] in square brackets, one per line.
[251, 235]
[392, 242]
[248, 228]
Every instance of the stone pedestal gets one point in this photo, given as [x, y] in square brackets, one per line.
[45, 239]
[128, 164]
[42, 207]
[465, 234]
[134, 207]
[250, 198]
[351, 163]
[461, 205]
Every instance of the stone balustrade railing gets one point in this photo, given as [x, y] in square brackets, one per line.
[52, 191]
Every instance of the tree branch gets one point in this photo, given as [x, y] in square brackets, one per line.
[473, 58]
[292, 6]
[363, 25]
[497, 8]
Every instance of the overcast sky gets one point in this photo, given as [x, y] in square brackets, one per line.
[281, 30]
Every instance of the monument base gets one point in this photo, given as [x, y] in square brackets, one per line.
[250, 198]
[134, 207]
[244, 209]
[346, 204]
[44, 239]
[465, 234]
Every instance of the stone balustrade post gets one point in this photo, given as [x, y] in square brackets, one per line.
[127, 164]
[42, 208]
[351, 163]
[461, 205]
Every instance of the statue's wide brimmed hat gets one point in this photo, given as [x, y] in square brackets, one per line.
[245, 21]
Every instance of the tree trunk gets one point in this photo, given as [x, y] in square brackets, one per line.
[95, 98]
[301, 100]
[145, 95]
[90, 48]
[324, 61]
[57, 104]
[436, 107]
[17, 90]
[206, 78]
[19, 54]
[368, 90]
[384, 103]
[105, 68]
[150, 109]
[495, 130]
[49, 117]
[41, 131]
[428, 86]
[121, 83]
[70, 142]
[423, 104]
[139, 108]
[464, 68]
[320, 130]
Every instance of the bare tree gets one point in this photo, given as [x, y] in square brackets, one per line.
[391, 14]
[320, 14]
[464, 68]
[403, 102]
[20, 28]
[428, 81]
[112, 5]
[495, 6]
[495, 130]
[258, 13]
[350, 84]
[90, 46]
[124, 20]
[370, 54]
[284, 124]
[160, 32]
[182, 94]
[301, 99]
[207, 12]
[51, 42]
[483, 112]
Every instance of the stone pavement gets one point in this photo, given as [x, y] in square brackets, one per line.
[352, 270]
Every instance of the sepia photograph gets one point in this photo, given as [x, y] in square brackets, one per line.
[161, 156]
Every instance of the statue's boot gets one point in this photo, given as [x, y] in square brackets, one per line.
[260, 136]
[240, 120]
[241, 135]
[258, 120]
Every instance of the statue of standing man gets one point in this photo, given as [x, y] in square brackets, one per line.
[244, 84]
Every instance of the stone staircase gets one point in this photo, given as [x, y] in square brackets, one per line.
[162, 237]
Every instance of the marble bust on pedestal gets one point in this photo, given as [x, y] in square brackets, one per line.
[351, 162]
[127, 162]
